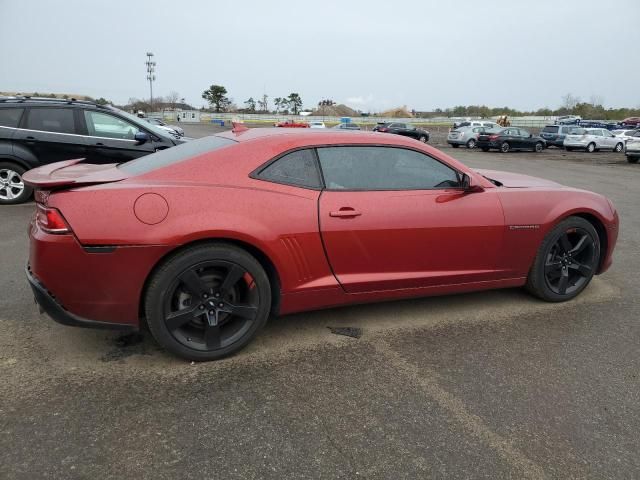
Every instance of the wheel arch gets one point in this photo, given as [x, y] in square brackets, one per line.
[17, 161]
[265, 261]
[600, 230]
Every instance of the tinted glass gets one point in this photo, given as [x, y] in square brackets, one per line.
[524, 133]
[177, 154]
[383, 168]
[58, 120]
[295, 168]
[105, 125]
[10, 117]
[550, 129]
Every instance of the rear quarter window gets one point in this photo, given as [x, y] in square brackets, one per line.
[10, 117]
[550, 129]
[169, 156]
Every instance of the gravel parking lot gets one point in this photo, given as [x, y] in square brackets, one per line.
[484, 385]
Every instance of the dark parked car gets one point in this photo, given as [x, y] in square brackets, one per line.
[347, 126]
[510, 138]
[554, 134]
[38, 131]
[403, 129]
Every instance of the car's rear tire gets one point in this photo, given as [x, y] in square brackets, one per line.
[484, 149]
[632, 159]
[208, 301]
[471, 143]
[423, 138]
[591, 147]
[566, 261]
[505, 147]
[455, 145]
[618, 147]
[13, 190]
[538, 147]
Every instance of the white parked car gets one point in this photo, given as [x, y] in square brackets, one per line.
[465, 136]
[632, 147]
[592, 139]
[624, 134]
[317, 125]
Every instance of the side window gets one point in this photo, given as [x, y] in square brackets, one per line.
[524, 133]
[383, 168]
[296, 168]
[59, 120]
[104, 125]
[10, 117]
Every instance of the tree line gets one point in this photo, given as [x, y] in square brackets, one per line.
[217, 97]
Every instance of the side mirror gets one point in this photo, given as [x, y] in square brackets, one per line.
[469, 185]
[141, 137]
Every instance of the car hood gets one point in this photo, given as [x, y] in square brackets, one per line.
[517, 180]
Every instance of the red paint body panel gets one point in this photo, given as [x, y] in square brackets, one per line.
[404, 243]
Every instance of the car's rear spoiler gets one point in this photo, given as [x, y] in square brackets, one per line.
[72, 172]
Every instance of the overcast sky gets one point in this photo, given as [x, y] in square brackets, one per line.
[368, 54]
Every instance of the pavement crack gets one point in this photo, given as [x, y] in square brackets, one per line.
[426, 380]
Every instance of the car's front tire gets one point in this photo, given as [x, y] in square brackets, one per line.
[471, 143]
[591, 147]
[13, 190]
[208, 301]
[538, 147]
[423, 138]
[505, 147]
[566, 261]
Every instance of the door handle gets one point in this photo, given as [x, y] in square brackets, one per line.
[99, 144]
[345, 212]
[30, 139]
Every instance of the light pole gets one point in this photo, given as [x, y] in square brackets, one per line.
[151, 68]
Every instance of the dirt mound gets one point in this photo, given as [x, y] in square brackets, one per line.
[336, 111]
[399, 112]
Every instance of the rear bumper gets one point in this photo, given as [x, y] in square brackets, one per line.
[57, 312]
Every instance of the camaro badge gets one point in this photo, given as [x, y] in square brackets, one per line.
[524, 227]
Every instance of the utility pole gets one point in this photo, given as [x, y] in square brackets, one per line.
[151, 68]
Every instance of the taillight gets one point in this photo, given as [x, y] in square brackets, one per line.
[493, 138]
[51, 220]
[383, 129]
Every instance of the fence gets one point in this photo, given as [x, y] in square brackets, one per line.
[270, 119]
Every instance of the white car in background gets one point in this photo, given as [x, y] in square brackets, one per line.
[625, 134]
[632, 147]
[592, 139]
[173, 129]
[465, 136]
[317, 125]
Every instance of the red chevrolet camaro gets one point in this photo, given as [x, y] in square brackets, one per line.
[204, 241]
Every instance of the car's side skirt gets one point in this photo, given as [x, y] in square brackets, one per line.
[335, 296]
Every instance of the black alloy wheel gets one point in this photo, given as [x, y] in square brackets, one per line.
[208, 302]
[566, 262]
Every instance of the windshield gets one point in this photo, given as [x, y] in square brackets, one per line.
[137, 120]
[172, 155]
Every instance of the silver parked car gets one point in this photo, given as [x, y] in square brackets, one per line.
[160, 124]
[632, 147]
[624, 134]
[592, 139]
[465, 136]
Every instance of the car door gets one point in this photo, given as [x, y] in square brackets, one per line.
[598, 138]
[610, 139]
[50, 134]
[526, 140]
[512, 137]
[396, 218]
[110, 139]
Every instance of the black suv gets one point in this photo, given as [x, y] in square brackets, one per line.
[37, 131]
[403, 129]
